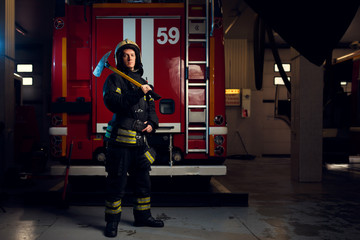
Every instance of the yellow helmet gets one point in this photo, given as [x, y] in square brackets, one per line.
[124, 45]
[128, 44]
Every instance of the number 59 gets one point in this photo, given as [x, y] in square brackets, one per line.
[172, 36]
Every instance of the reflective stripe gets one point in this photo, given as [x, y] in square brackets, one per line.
[113, 207]
[113, 204]
[151, 99]
[125, 132]
[123, 135]
[113, 211]
[147, 48]
[143, 200]
[126, 136]
[118, 90]
[108, 131]
[123, 139]
[107, 134]
[129, 29]
[142, 204]
[142, 207]
[149, 157]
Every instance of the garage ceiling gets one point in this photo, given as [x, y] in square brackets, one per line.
[36, 18]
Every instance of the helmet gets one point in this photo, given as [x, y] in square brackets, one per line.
[127, 44]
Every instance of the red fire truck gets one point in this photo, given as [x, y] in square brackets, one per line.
[183, 56]
[342, 110]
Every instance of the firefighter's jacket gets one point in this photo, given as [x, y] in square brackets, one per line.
[131, 109]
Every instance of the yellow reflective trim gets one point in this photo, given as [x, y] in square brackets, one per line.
[142, 207]
[113, 204]
[125, 132]
[149, 157]
[125, 139]
[111, 211]
[151, 99]
[118, 90]
[143, 200]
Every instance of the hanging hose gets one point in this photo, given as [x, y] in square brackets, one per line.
[277, 59]
[259, 50]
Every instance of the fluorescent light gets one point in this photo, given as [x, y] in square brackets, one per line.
[279, 81]
[24, 68]
[286, 67]
[28, 81]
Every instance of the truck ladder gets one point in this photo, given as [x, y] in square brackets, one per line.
[197, 55]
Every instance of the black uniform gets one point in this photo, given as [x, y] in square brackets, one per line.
[127, 149]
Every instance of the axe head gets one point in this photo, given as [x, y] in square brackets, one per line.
[102, 63]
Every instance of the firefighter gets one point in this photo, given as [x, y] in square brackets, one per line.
[125, 140]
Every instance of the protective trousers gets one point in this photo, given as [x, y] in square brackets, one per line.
[121, 160]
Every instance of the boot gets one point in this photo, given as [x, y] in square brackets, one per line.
[111, 229]
[149, 222]
[142, 214]
[112, 217]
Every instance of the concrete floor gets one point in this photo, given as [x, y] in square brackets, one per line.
[278, 209]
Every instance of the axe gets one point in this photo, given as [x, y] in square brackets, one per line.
[104, 63]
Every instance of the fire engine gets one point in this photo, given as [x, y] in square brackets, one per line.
[342, 110]
[182, 51]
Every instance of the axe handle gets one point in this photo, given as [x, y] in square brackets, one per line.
[125, 76]
[136, 83]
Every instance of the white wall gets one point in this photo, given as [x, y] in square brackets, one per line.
[261, 133]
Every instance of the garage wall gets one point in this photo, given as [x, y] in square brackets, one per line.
[261, 133]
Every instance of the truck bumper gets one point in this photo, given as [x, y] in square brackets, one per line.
[58, 170]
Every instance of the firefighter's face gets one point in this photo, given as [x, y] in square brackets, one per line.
[129, 58]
